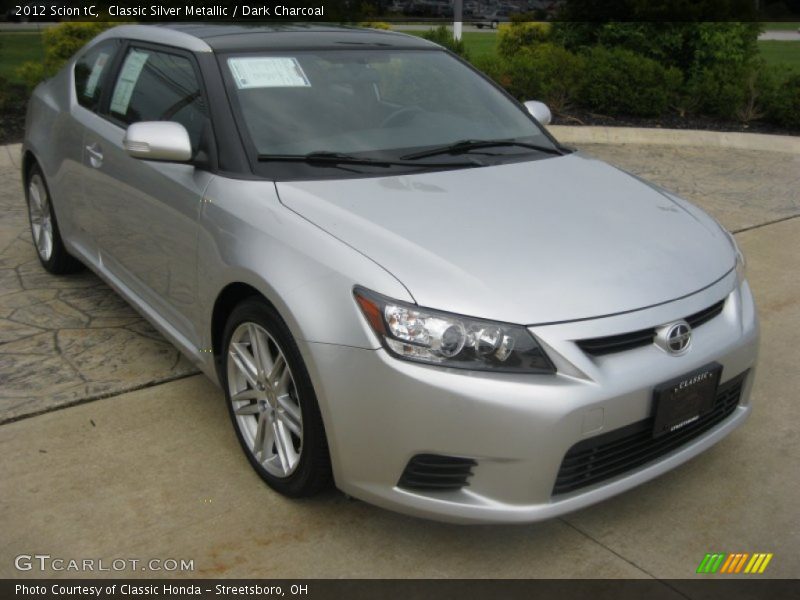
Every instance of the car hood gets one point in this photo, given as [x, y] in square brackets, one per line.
[531, 242]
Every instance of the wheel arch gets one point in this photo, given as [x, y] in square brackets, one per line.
[28, 161]
[228, 298]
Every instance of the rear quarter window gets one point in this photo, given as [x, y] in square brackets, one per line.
[91, 73]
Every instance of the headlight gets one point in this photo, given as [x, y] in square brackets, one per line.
[435, 337]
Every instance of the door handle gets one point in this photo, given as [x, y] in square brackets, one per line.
[95, 155]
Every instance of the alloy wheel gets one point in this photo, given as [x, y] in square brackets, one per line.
[264, 399]
[41, 219]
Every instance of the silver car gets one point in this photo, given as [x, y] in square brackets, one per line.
[404, 285]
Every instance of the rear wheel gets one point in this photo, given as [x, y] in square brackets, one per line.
[272, 403]
[44, 227]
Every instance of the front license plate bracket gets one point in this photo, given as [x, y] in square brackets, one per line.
[680, 402]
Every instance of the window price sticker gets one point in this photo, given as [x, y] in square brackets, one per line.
[94, 76]
[129, 75]
[267, 72]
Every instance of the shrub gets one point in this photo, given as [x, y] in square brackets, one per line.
[375, 25]
[686, 45]
[545, 72]
[60, 43]
[724, 43]
[493, 67]
[514, 36]
[783, 106]
[619, 81]
[518, 75]
[444, 37]
[731, 91]
[12, 96]
[30, 73]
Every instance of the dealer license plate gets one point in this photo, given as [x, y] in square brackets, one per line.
[681, 401]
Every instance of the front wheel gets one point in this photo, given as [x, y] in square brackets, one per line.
[272, 403]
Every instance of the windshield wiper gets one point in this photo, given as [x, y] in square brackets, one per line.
[464, 146]
[336, 158]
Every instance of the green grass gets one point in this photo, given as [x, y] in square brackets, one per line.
[480, 44]
[15, 49]
[785, 55]
[477, 44]
[781, 26]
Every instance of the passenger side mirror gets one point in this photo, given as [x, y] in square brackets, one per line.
[539, 111]
[158, 140]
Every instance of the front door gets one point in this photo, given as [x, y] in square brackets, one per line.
[146, 226]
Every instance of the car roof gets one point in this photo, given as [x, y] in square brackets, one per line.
[243, 38]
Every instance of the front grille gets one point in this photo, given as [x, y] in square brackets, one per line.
[617, 343]
[643, 337]
[614, 453]
[437, 473]
[706, 315]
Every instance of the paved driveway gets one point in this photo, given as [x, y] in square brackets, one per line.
[65, 339]
[157, 472]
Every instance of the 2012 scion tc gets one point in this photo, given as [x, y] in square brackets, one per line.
[403, 283]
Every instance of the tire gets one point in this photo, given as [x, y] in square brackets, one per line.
[44, 227]
[276, 418]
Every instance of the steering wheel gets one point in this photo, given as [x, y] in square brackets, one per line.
[397, 116]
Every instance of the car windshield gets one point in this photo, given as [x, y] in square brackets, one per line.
[372, 103]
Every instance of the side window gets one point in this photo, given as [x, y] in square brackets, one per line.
[90, 73]
[158, 86]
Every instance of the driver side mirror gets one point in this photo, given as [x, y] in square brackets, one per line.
[158, 140]
[539, 111]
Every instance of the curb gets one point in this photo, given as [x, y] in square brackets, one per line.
[571, 134]
[675, 137]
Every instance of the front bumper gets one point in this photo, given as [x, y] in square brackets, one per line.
[379, 412]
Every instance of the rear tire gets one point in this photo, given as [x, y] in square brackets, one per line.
[272, 403]
[44, 227]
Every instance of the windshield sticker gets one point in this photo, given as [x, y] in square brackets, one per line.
[267, 72]
[94, 76]
[129, 75]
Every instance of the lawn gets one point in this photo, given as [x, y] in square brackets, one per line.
[16, 48]
[478, 44]
[781, 26]
[783, 54]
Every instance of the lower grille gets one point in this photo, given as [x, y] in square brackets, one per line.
[614, 453]
[435, 472]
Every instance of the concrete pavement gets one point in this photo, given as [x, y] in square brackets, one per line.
[157, 473]
[781, 35]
